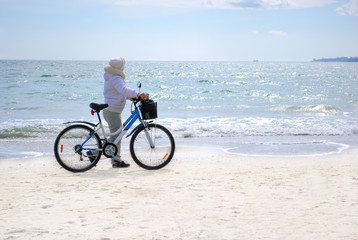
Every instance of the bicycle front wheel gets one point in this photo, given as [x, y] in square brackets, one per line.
[77, 148]
[152, 147]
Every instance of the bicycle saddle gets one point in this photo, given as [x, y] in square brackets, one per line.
[98, 107]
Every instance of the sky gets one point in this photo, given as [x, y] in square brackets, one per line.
[178, 30]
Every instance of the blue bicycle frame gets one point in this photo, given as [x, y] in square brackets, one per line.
[136, 114]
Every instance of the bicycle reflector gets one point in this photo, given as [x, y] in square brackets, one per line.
[92, 112]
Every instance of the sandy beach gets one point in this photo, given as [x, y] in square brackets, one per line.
[202, 194]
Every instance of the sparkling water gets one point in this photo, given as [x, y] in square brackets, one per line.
[254, 108]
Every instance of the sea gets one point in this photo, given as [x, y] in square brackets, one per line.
[245, 108]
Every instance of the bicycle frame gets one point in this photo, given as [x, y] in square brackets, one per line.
[124, 128]
[136, 114]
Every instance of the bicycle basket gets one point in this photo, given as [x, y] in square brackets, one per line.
[149, 109]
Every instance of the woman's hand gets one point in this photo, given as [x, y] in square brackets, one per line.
[141, 96]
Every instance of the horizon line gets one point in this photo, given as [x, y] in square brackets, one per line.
[156, 60]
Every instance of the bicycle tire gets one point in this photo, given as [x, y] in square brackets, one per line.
[69, 153]
[152, 158]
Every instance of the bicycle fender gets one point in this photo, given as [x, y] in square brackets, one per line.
[84, 122]
[135, 129]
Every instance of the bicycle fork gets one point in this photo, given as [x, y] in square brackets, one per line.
[147, 134]
[149, 138]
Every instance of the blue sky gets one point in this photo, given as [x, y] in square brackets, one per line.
[234, 30]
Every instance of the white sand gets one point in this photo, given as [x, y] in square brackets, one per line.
[202, 194]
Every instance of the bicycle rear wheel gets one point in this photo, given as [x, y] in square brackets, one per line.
[152, 157]
[73, 153]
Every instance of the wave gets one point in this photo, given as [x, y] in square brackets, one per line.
[259, 126]
[206, 127]
[21, 108]
[34, 128]
[48, 75]
[24, 132]
[320, 109]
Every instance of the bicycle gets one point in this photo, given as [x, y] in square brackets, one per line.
[78, 147]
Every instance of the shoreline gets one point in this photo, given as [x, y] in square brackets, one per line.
[341, 147]
[203, 150]
[255, 146]
[203, 193]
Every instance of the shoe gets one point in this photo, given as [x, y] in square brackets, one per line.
[120, 164]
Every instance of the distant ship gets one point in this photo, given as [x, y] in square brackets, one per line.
[255, 60]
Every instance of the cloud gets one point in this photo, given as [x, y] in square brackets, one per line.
[161, 3]
[245, 4]
[350, 8]
[228, 4]
[278, 33]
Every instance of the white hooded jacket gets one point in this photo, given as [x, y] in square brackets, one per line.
[116, 92]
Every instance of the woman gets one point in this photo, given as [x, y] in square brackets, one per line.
[116, 93]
